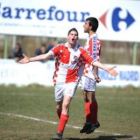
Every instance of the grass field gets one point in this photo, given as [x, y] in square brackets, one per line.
[28, 113]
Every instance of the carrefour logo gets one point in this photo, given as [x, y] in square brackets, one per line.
[116, 19]
[51, 13]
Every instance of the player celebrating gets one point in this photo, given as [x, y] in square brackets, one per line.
[68, 60]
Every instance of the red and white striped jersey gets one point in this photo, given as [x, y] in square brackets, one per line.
[93, 47]
[68, 62]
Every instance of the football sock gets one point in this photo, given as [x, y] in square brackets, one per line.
[94, 111]
[62, 122]
[87, 112]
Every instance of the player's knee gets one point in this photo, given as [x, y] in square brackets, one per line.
[91, 97]
[58, 107]
[85, 97]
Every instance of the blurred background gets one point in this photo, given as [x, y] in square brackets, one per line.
[118, 52]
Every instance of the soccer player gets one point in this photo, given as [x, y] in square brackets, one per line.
[69, 57]
[90, 77]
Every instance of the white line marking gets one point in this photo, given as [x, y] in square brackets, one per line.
[52, 122]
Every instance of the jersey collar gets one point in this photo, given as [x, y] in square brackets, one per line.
[76, 46]
[93, 35]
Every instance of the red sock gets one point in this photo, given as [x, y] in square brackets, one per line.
[62, 122]
[87, 112]
[94, 111]
[58, 113]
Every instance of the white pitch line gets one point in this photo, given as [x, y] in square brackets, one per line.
[52, 122]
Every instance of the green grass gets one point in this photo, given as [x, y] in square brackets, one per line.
[119, 113]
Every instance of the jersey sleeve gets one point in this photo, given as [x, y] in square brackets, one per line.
[99, 49]
[100, 52]
[85, 56]
[94, 48]
[56, 50]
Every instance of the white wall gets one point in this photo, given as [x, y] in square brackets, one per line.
[42, 73]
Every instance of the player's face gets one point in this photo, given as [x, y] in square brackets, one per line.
[86, 27]
[73, 37]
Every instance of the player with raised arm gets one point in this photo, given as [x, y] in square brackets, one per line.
[68, 58]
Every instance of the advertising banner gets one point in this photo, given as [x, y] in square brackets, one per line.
[128, 76]
[12, 72]
[119, 20]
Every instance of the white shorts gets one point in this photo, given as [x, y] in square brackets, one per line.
[62, 89]
[87, 84]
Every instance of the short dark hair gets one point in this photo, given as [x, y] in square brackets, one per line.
[93, 22]
[73, 29]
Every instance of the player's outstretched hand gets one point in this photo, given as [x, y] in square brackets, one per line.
[112, 71]
[24, 60]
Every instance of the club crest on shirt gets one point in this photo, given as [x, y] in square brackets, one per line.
[75, 59]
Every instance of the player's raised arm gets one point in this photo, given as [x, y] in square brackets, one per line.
[110, 70]
[26, 59]
[93, 62]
